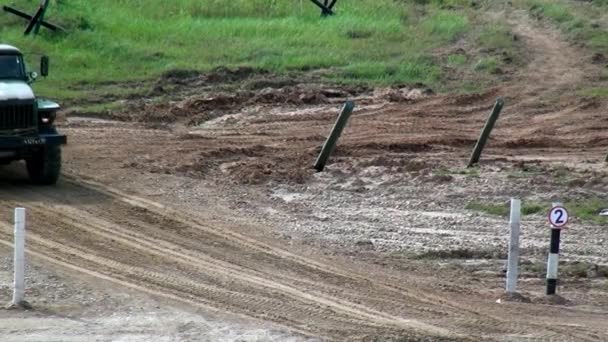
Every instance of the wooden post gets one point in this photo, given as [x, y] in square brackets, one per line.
[332, 140]
[485, 133]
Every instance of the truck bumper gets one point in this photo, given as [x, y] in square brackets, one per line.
[25, 143]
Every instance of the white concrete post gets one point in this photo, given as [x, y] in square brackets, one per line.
[513, 262]
[19, 289]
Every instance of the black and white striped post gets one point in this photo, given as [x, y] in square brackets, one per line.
[558, 217]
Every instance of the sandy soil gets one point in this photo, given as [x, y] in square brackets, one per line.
[73, 307]
[207, 203]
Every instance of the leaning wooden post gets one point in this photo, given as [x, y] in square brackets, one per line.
[332, 140]
[485, 134]
[513, 261]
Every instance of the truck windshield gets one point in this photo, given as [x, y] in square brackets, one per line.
[11, 66]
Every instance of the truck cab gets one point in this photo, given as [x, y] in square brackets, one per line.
[27, 129]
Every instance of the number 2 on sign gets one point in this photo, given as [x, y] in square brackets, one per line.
[558, 217]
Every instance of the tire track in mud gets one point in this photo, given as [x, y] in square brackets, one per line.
[290, 293]
[169, 251]
[52, 257]
[360, 318]
[196, 291]
[422, 300]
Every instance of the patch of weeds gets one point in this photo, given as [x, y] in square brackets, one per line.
[503, 209]
[464, 253]
[496, 37]
[532, 208]
[471, 87]
[489, 208]
[487, 64]
[552, 10]
[457, 60]
[446, 25]
[588, 209]
[582, 209]
[594, 92]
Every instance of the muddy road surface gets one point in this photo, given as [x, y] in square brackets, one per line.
[140, 244]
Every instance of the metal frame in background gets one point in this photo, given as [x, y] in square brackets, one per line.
[326, 7]
[36, 20]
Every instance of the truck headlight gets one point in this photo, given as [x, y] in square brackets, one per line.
[47, 118]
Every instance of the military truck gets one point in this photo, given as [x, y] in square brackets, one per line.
[27, 129]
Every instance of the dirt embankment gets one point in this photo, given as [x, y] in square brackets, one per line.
[253, 126]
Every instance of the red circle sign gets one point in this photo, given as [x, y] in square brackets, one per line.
[558, 217]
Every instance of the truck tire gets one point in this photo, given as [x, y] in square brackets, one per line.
[44, 167]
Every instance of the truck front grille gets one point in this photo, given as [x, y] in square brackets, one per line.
[17, 116]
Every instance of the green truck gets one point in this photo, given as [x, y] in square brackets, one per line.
[27, 122]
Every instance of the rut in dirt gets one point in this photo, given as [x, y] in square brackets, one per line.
[141, 244]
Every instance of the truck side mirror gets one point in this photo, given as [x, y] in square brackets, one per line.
[44, 66]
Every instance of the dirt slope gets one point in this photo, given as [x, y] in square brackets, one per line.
[275, 134]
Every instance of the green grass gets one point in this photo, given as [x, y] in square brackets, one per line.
[488, 64]
[503, 209]
[582, 209]
[599, 92]
[457, 60]
[371, 41]
[498, 209]
[496, 37]
[588, 209]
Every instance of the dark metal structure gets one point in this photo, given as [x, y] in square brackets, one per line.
[36, 20]
[326, 7]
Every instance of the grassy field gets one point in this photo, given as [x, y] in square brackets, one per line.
[583, 209]
[369, 41]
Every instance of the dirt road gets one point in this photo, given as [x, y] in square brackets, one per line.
[143, 245]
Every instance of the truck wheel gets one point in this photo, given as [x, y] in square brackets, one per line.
[44, 166]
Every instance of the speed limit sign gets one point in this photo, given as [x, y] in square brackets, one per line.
[558, 216]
